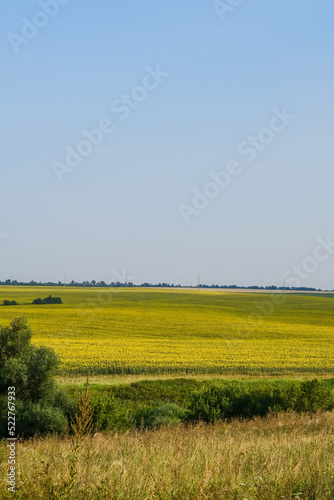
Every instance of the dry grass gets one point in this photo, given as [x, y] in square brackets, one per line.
[289, 457]
[113, 380]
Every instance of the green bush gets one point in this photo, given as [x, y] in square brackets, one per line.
[209, 404]
[38, 301]
[162, 415]
[314, 396]
[52, 300]
[48, 300]
[10, 303]
[237, 399]
[39, 419]
[108, 415]
[217, 402]
[286, 396]
[41, 407]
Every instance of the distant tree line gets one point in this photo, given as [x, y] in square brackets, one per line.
[116, 284]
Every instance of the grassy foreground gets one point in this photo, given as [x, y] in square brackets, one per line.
[288, 456]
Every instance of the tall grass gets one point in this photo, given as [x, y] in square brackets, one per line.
[287, 456]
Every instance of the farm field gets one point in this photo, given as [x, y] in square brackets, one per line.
[156, 331]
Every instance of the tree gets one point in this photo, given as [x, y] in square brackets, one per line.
[38, 301]
[10, 303]
[48, 300]
[41, 408]
[52, 300]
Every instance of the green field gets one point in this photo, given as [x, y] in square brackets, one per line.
[156, 331]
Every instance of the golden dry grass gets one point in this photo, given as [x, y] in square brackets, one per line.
[115, 380]
[289, 456]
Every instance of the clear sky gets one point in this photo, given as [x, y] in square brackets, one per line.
[181, 89]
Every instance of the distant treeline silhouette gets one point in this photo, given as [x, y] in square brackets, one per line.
[103, 284]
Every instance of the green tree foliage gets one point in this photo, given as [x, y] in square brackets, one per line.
[237, 399]
[38, 301]
[40, 406]
[48, 300]
[52, 300]
[164, 415]
[107, 414]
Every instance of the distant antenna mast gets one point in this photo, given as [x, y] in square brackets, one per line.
[64, 279]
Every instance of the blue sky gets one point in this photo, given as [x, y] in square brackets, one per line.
[120, 208]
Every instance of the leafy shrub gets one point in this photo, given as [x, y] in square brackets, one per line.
[209, 404]
[107, 415]
[285, 396]
[163, 415]
[221, 401]
[314, 396]
[237, 399]
[10, 303]
[38, 301]
[52, 300]
[41, 407]
[39, 419]
[48, 300]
